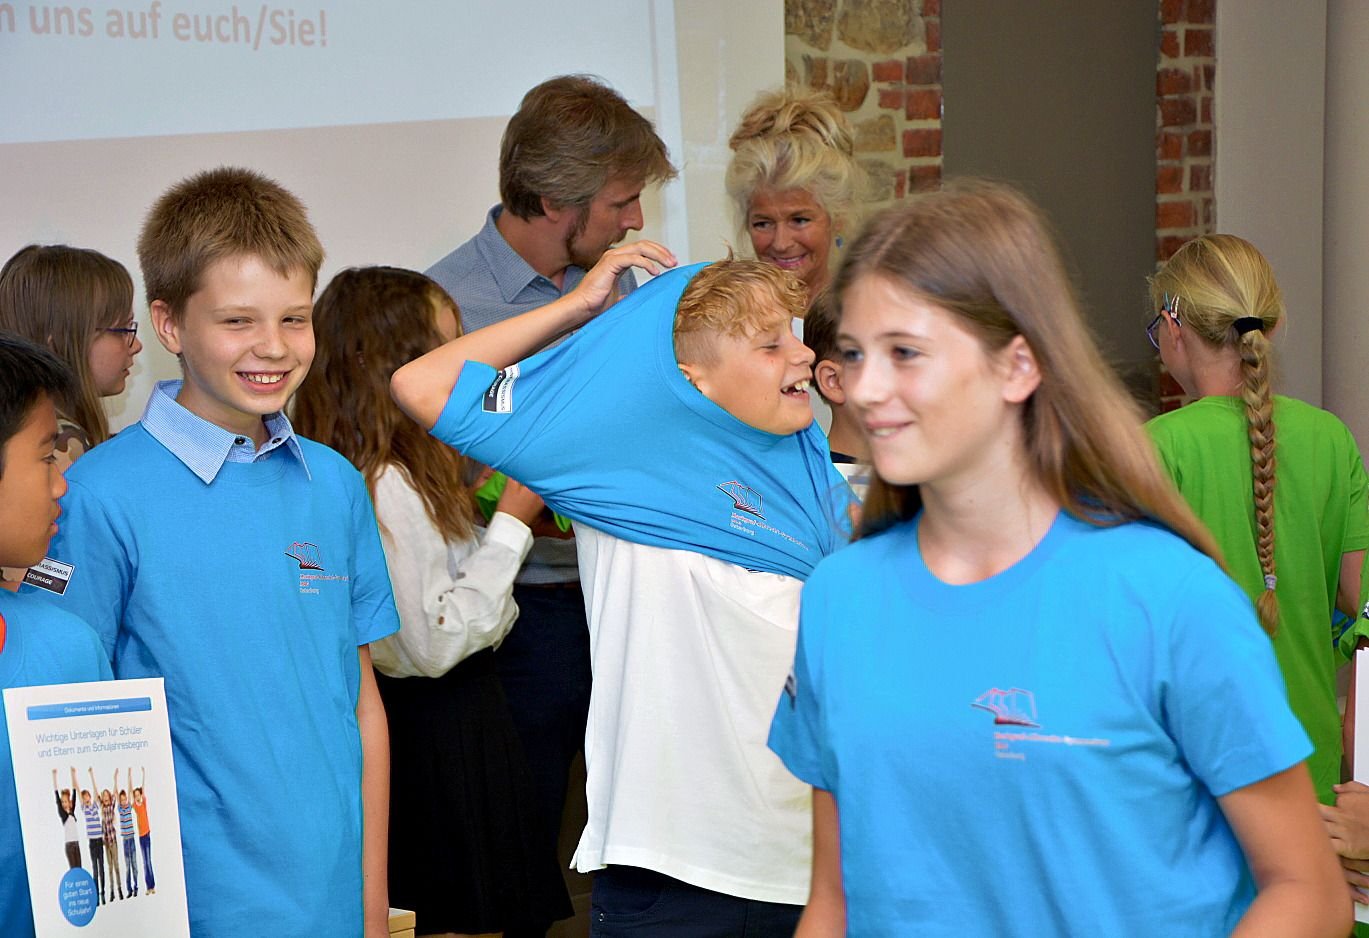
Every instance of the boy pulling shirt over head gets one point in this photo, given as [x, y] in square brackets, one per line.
[38, 644]
[675, 429]
[215, 548]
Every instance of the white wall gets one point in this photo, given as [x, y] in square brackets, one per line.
[403, 191]
[1346, 223]
[1271, 120]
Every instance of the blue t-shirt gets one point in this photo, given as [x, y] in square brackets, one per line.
[1039, 753]
[606, 429]
[43, 645]
[250, 595]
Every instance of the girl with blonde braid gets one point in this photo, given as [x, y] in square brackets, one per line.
[1280, 483]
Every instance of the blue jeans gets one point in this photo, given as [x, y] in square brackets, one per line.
[131, 863]
[146, 841]
[628, 901]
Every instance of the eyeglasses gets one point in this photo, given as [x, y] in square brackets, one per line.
[131, 331]
[1171, 309]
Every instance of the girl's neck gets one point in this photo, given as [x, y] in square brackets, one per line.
[970, 532]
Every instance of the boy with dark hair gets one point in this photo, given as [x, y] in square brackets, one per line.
[850, 451]
[249, 576]
[38, 644]
[676, 430]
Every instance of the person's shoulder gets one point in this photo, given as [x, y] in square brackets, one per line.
[327, 465]
[866, 554]
[116, 460]
[58, 645]
[1301, 412]
[459, 264]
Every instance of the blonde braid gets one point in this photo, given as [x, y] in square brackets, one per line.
[1253, 347]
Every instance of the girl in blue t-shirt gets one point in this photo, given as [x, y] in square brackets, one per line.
[1028, 698]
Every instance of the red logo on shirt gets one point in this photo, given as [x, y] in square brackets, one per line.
[307, 554]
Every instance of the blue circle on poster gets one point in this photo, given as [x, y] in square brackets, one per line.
[76, 897]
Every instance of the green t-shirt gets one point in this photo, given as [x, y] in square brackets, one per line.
[1319, 514]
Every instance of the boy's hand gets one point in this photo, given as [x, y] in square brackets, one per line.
[599, 287]
[520, 502]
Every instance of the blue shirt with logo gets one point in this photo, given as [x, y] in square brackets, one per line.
[608, 431]
[42, 645]
[1039, 753]
[248, 586]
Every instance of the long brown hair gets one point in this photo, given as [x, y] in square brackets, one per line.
[61, 297]
[367, 322]
[985, 253]
[1211, 284]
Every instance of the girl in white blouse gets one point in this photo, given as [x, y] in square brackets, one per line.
[460, 799]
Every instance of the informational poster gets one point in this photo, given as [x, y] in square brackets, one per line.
[97, 807]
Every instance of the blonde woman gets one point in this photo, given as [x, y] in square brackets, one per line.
[1029, 700]
[795, 183]
[1278, 482]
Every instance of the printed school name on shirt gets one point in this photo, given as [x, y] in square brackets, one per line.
[310, 559]
[748, 516]
[1016, 707]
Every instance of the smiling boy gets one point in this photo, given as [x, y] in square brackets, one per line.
[215, 548]
[676, 430]
[38, 644]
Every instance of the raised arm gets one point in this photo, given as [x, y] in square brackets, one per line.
[422, 387]
[94, 788]
[74, 788]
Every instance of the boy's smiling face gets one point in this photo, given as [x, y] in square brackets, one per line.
[761, 379]
[245, 339]
[30, 485]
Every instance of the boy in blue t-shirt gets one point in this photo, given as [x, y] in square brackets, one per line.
[213, 547]
[675, 429]
[38, 644]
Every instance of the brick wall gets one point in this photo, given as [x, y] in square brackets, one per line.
[1185, 139]
[881, 59]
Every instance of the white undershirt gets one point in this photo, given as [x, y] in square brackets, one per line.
[690, 656]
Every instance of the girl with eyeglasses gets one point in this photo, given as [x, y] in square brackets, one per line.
[1028, 698]
[1279, 482]
[78, 303]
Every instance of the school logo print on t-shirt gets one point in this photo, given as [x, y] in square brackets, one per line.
[744, 497]
[1015, 710]
[310, 558]
[748, 515]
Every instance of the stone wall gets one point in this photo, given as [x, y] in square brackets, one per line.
[881, 59]
[1185, 139]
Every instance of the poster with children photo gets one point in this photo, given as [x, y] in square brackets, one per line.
[97, 791]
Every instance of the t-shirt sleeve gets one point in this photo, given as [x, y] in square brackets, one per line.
[1225, 702]
[373, 603]
[796, 734]
[102, 569]
[1357, 490]
[545, 421]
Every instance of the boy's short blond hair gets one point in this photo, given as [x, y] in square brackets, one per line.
[224, 212]
[733, 298]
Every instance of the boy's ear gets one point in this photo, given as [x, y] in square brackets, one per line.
[827, 374]
[1022, 376]
[692, 373]
[165, 325]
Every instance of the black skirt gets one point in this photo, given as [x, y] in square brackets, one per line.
[462, 810]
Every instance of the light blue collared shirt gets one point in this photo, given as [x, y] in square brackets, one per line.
[203, 446]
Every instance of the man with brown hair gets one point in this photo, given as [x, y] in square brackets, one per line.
[572, 165]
